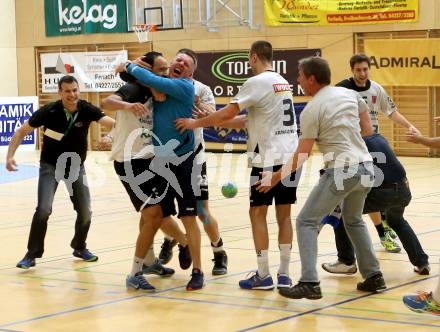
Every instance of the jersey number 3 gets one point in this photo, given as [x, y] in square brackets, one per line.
[288, 111]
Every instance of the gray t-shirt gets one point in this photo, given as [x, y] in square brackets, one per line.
[332, 118]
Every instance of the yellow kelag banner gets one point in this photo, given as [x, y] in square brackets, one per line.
[336, 12]
[414, 62]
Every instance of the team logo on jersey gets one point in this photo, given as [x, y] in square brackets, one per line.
[281, 87]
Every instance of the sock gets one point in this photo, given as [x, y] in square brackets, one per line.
[380, 230]
[263, 263]
[150, 257]
[137, 265]
[285, 250]
[436, 292]
[217, 246]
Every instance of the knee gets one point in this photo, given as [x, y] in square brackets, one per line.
[43, 212]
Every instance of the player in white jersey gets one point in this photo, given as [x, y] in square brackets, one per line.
[377, 100]
[204, 104]
[272, 138]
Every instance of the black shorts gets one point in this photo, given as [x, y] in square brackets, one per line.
[144, 193]
[185, 177]
[281, 193]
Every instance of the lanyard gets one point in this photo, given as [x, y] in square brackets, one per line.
[71, 118]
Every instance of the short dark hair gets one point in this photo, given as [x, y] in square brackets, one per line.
[359, 58]
[190, 53]
[68, 79]
[263, 50]
[317, 67]
[149, 58]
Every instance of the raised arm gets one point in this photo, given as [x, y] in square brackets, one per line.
[115, 102]
[172, 87]
[15, 142]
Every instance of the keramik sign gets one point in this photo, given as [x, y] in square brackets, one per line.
[69, 17]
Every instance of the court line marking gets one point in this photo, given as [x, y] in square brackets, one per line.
[313, 311]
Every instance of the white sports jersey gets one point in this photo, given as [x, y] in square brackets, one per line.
[132, 135]
[203, 95]
[271, 125]
[376, 98]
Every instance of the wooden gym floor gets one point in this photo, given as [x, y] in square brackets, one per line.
[64, 294]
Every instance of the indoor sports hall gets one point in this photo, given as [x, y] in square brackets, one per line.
[43, 40]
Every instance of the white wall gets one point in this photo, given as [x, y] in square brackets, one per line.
[8, 53]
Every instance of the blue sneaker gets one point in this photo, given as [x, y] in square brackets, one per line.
[196, 282]
[85, 254]
[256, 282]
[157, 268]
[26, 262]
[138, 282]
[283, 281]
[422, 303]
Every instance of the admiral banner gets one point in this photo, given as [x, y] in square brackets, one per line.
[405, 62]
[14, 111]
[93, 70]
[339, 12]
[225, 72]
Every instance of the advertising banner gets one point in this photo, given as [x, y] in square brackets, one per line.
[76, 17]
[400, 62]
[14, 111]
[339, 12]
[225, 72]
[93, 70]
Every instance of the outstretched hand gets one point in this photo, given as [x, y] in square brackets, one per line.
[183, 124]
[268, 181]
[414, 137]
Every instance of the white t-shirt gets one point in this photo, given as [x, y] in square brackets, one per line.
[271, 125]
[132, 135]
[203, 95]
[376, 98]
[332, 118]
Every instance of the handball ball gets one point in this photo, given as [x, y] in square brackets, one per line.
[229, 190]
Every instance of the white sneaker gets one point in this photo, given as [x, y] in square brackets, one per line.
[339, 268]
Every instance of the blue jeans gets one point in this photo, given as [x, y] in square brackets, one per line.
[333, 187]
[80, 197]
[391, 199]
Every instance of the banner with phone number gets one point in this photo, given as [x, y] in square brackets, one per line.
[336, 12]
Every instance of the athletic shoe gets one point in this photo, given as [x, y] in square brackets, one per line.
[138, 282]
[256, 282]
[339, 268]
[372, 284]
[303, 290]
[166, 251]
[196, 282]
[220, 263]
[422, 303]
[26, 262]
[389, 230]
[423, 270]
[85, 254]
[389, 243]
[157, 268]
[185, 259]
[283, 281]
